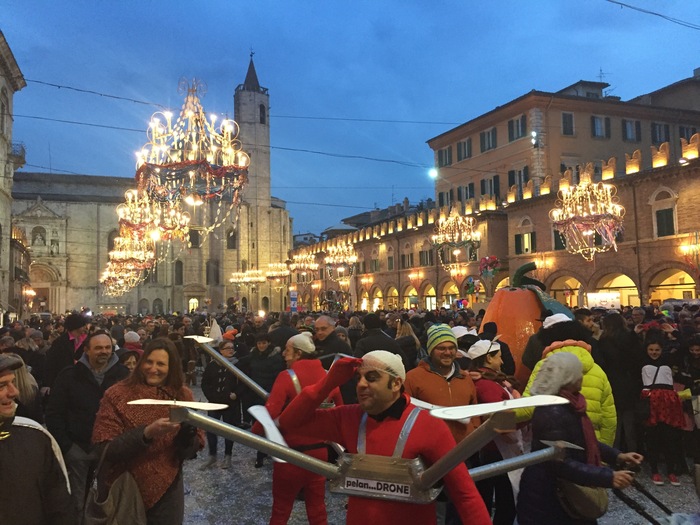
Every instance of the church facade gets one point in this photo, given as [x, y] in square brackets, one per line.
[70, 224]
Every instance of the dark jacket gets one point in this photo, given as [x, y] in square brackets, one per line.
[621, 358]
[263, 367]
[331, 345]
[376, 339]
[280, 335]
[409, 348]
[61, 354]
[74, 401]
[537, 502]
[218, 384]
[34, 489]
[354, 335]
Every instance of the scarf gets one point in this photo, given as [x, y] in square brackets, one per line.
[578, 403]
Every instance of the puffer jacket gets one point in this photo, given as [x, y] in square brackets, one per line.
[595, 388]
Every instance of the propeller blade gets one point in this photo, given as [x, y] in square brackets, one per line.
[195, 405]
[461, 412]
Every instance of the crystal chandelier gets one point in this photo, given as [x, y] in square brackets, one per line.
[277, 271]
[340, 261]
[247, 277]
[193, 160]
[304, 261]
[456, 240]
[588, 216]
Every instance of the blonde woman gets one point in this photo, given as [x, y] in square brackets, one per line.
[408, 341]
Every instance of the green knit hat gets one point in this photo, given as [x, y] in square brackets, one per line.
[439, 333]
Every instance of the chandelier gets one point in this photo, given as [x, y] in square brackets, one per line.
[193, 160]
[119, 280]
[132, 253]
[340, 261]
[304, 261]
[587, 216]
[277, 271]
[247, 277]
[456, 240]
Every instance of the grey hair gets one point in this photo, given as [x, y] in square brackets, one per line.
[557, 370]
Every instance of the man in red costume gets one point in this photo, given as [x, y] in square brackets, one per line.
[373, 426]
[303, 369]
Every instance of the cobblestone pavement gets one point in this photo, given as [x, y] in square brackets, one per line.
[242, 495]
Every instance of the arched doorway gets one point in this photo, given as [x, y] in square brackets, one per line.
[616, 284]
[450, 293]
[158, 306]
[364, 301]
[567, 290]
[410, 298]
[671, 284]
[266, 303]
[192, 304]
[377, 300]
[429, 298]
[143, 306]
[392, 298]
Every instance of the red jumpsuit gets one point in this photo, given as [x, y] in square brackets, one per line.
[429, 438]
[287, 479]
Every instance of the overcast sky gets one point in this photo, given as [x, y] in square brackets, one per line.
[416, 68]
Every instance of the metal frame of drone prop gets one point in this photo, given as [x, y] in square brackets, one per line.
[397, 479]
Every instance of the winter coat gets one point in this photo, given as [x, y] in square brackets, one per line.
[264, 366]
[75, 399]
[280, 335]
[34, 488]
[621, 359]
[537, 502]
[426, 384]
[596, 389]
[331, 345]
[61, 354]
[408, 345]
[218, 384]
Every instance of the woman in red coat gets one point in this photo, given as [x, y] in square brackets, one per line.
[303, 369]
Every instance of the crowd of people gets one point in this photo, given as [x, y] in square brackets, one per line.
[632, 378]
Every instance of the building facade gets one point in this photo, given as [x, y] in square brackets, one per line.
[496, 170]
[70, 223]
[14, 261]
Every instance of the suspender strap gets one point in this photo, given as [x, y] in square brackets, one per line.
[295, 380]
[403, 435]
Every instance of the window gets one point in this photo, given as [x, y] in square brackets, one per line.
[194, 239]
[212, 272]
[659, 133]
[374, 265]
[525, 243]
[631, 130]
[567, 124]
[231, 239]
[390, 263]
[445, 156]
[559, 242]
[263, 114]
[425, 257]
[464, 149]
[406, 260]
[663, 206]
[363, 266]
[152, 275]
[178, 278]
[600, 127]
[518, 178]
[470, 191]
[664, 223]
[487, 140]
[685, 132]
[491, 186]
[158, 306]
[517, 128]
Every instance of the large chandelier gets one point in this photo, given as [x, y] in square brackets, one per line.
[277, 271]
[247, 277]
[456, 240]
[340, 261]
[304, 261]
[193, 160]
[587, 216]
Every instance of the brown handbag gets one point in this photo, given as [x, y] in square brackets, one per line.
[582, 502]
[122, 504]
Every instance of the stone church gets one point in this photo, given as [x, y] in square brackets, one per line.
[70, 222]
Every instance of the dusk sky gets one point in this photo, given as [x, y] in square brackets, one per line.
[356, 88]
